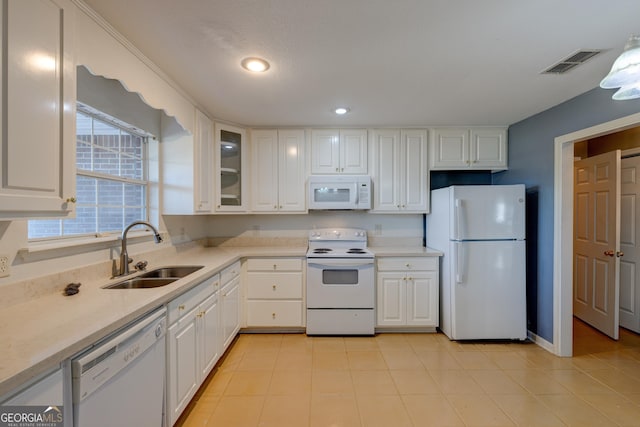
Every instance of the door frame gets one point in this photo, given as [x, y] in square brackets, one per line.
[563, 228]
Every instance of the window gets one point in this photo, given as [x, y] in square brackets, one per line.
[111, 179]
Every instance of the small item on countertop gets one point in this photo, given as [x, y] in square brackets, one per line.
[141, 265]
[72, 289]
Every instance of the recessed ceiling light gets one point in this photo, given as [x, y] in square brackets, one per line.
[256, 65]
[341, 110]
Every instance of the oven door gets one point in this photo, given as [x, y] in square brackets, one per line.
[340, 283]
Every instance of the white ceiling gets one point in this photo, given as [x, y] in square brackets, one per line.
[393, 62]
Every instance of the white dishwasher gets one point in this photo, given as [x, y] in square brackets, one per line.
[121, 382]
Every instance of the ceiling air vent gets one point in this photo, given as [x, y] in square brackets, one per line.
[572, 61]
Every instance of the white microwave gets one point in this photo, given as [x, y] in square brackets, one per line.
[339, 192]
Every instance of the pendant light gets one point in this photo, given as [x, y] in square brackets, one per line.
[625, 72]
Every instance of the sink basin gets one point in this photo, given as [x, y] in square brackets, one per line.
[155, 278]
[142, 283]
[176, 271]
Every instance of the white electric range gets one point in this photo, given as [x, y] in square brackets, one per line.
[340, 283]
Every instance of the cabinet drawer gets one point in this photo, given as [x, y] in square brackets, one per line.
[407, 263]
[274, 313]
[274, 285]
[192, 298]
[274, 264]
[230, 272]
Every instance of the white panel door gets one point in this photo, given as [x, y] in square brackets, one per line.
[629, 244]
[596, 269]
[488, 290]
[264, 173]
[415, 175]
[422, 298]
[208, 335]
[292, 171]
[353, 151]
[386, 170]
[450, 149]
[325, 151]
[488, 148]
[37, 112]
[391, 304]
[488, 212]
[230, 315]
[204, 163]
[183, 367]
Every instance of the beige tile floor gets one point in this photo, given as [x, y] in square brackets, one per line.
[394, 380]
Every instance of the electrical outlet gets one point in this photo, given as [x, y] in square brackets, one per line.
[4, 266]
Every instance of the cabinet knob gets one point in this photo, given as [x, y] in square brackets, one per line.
[280, 206]
[407, 265]
[608, 253]
[274, 287]
[275, 266]
[275, 206]
[337, 169]
[619, 254]
[409, 278]
[71, 200]
[181, 307]
[273, 315]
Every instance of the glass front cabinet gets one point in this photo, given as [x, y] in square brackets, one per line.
[231, 169]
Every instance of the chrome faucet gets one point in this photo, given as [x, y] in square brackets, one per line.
[124, 256]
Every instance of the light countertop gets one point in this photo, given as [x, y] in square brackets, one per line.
[38, 334]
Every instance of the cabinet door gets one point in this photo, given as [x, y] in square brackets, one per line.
[353, 151]
[264, 171]
[231, 169]
[47, 391]
[183, 363]
[391, 307]
[414, 180]
[208, 335]
[292, 171]
[37, 112]
[386, 170]
[204, 163]
[230, 311]
[325, 151]
[450, 149]
[488, 148]
[422, 298]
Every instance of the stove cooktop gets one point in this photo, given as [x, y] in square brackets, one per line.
[338, 243]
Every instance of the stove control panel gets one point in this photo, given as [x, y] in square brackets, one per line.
[338, 234]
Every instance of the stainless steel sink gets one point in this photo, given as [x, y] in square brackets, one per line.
[155, 278]
[175, 271]
[142, 283]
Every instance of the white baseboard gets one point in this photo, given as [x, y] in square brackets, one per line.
[542, 342]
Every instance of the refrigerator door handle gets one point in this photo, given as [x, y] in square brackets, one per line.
[458, 208]
[460, 263]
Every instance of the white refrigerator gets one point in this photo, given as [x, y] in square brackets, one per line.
[481, 231]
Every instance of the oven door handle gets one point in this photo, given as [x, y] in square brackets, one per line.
[341, 265]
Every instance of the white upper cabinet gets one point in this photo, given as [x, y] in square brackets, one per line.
[203, 144]
[399, 171]
[187, 167]
[37, 112]
[469, 148]
[231, 169]
[278, 170]
[339, 151]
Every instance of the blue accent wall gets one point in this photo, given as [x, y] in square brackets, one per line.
[531, 159]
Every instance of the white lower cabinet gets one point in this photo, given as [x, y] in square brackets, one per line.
[407, 292]
[47, 390]
[229, 304]
[274, 292]
[194, 346]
